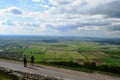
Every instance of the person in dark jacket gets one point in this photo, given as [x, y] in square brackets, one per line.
[32, 60]
[25, 61]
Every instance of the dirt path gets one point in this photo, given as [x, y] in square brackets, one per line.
[53, 71]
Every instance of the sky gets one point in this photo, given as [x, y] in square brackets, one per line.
[86, 18]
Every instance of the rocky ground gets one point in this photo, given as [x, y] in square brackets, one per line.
[27, 76]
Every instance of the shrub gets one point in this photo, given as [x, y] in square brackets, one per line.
[89, 65]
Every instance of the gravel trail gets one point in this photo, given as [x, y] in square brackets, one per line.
[55, 72]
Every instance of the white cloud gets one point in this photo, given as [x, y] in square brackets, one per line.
[11, 10]
[88, 28]
[36, 0]
[69, 17]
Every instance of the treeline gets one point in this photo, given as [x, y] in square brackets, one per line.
[87, 65]
[11, 55]
[109, 41]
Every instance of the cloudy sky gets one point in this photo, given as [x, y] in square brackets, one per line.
[88, 18]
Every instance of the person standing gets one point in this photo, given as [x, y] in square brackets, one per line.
[25, 61]
[32, 60]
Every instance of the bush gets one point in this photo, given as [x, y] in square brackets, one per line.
[107, 68]
[65, 63]
[89, 65]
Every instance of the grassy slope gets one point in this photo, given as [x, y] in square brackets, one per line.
[7, 76]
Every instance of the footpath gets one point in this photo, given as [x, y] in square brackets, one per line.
[60, 73]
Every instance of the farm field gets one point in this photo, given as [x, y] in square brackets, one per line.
[100, 51]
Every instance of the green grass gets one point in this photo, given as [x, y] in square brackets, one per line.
[66, 50]
[111, 61]
[7, 76]
[69, 52]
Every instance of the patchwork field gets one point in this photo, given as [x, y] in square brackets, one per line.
[100, 51]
